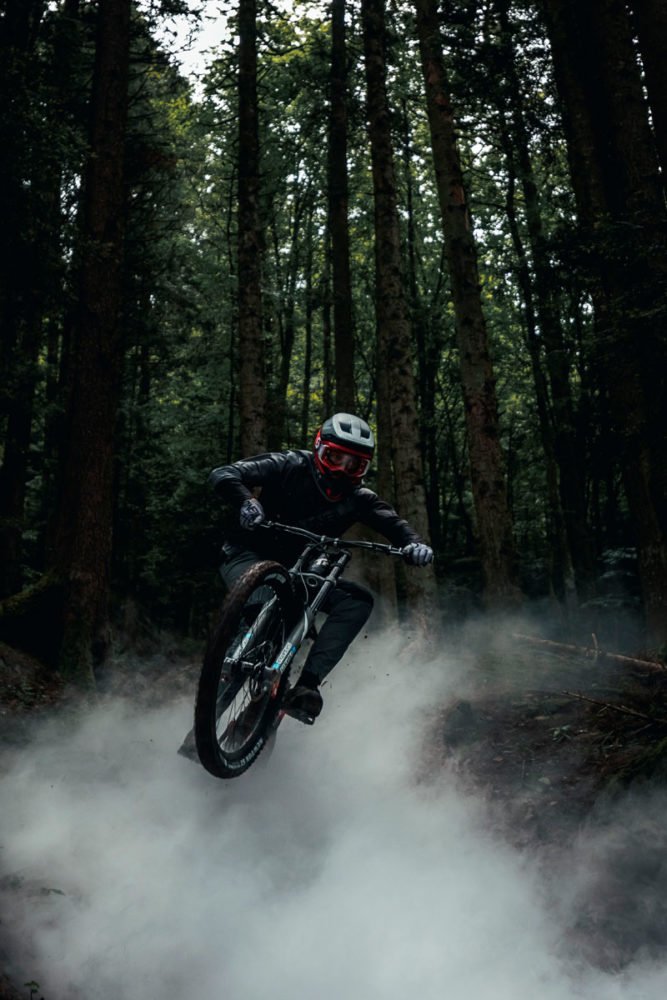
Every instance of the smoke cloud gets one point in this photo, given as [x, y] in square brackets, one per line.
[340, 867]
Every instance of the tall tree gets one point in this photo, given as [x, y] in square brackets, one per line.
[561, 562]
[84, 517]
[27, 176]
[252, 399]
[394, 329]
[338, 213]
[651, 24]
[283, 314]
[487, 471]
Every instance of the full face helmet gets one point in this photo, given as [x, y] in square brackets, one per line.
[343, 449]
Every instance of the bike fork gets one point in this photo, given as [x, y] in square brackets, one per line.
[275, 672]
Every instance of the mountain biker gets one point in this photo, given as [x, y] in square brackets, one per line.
[319, 490]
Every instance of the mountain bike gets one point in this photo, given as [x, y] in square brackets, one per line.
[242, 694]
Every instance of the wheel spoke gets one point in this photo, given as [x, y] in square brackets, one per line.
[245, 671]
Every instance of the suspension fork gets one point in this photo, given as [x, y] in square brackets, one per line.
[300, 630]
[242, 644]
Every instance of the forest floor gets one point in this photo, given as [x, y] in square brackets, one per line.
[577, 733]
[570, 754]
[561, 745]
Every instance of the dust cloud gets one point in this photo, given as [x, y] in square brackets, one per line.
[338, 868]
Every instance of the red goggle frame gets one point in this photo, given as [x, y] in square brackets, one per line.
[337, 460]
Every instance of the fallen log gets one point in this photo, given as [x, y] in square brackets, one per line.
[593, 653]
[656, 720]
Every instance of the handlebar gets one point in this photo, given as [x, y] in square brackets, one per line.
[336, 543]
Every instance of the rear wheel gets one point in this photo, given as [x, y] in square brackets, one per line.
[236, 701]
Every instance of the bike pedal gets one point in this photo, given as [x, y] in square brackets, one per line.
[300, 716]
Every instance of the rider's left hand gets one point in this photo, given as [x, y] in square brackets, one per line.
[418, 554]
[251, 514]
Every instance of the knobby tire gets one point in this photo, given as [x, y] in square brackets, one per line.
[217, 695]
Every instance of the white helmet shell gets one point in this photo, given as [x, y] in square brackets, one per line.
[349, 431]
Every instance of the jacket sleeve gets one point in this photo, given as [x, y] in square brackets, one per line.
[382, 517]
[233, 483]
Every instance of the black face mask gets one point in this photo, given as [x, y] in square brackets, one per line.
[332, 487]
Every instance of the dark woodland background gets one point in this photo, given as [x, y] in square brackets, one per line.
[448, 217]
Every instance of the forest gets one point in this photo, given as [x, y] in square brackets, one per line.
[447, 217]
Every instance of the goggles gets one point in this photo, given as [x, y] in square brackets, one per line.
[339, 461]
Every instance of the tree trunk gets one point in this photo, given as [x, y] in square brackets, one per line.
[84, 517]
[253, 401]
[51, 425]
[562, 575]
[395, 339]
[29, 191]
[286, 279]
[327, 381]
[427, 359]
[487, 468]
[651, 24]
[380, 574]
[18, 31]
[338, 218]
[306, 431]
[230, 442]
[14, 469]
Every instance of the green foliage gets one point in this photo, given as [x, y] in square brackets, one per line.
[179, 412]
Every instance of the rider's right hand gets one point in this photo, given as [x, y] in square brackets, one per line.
[418, 554]
[251, 514]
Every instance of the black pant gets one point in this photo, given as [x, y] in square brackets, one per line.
[347, 608]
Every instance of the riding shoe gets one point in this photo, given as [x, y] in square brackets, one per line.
[304, 700]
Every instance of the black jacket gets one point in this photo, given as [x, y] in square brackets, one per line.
[290, 493]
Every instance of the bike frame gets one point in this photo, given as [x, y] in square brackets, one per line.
[338, 552]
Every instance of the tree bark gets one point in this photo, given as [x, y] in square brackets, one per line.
[29, 188]
[287, 278]
[338, 215]
[253, 399]
[487, 465]
[14, 469]
[308, 335]
[84, 517]
[427, 357]
[563, 579]
[395, 338]
[327, 381]
[380, 574]
[18, 33]
[651, 23]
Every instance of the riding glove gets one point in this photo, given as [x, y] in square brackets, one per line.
[418, 554]
[252, 514]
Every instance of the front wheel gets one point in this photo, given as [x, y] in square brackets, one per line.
[236, 698]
